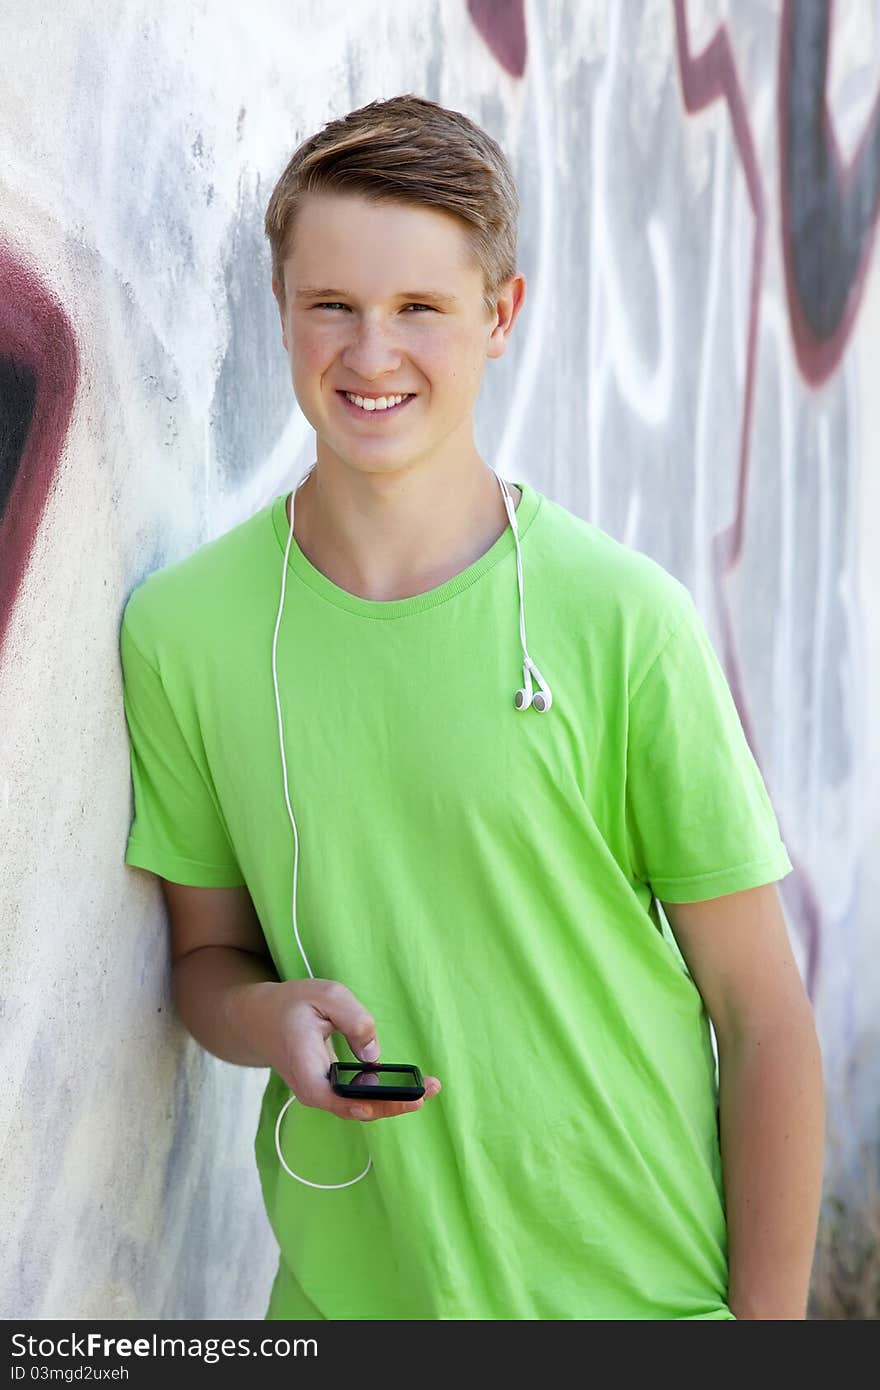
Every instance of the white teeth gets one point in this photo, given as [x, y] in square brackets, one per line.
[381, 403]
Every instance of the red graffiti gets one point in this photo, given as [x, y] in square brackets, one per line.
[38, 378]
[502, 24]
[705, 78]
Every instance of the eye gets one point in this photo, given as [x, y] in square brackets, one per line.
[335, 304]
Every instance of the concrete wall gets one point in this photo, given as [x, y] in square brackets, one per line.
[695, 371]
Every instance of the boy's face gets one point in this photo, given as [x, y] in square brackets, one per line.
[353, 319]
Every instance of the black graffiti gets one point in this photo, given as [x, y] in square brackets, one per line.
[18, 392]
[831, 211]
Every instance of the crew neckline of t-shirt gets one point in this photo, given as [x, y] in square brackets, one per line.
[526, 512]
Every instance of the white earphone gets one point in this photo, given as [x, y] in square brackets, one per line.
[541, 700]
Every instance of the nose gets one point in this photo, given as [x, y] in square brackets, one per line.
[371, 351]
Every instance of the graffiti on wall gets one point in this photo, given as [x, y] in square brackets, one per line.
[828, 218]
[697, 249]
[38, 378]
[828, 221]
[829, 210]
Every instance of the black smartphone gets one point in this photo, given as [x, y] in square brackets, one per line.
[381, 1081]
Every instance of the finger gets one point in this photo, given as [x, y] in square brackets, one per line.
[311, 1066]
[383, 1110]
[377, 1110]
[335, 1003]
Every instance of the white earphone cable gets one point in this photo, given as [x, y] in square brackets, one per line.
[529, 667]
[325, 1186]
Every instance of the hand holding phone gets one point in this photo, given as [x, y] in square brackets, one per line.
[294, 1024]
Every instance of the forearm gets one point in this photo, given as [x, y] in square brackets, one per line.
[221, 995]
[772, 1123]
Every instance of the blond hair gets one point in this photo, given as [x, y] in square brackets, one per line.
[407, 150]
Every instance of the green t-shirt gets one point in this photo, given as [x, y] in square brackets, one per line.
[484, 881]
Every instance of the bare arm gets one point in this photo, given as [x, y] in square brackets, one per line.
[771, 1095]
[227, 993]
[219, 956]
[220, 993]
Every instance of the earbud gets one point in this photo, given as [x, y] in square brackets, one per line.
[541, 699]
[523, 698]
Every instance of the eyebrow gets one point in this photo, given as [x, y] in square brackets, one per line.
[420, 296]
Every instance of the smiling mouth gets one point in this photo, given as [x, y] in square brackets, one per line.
[382, 407]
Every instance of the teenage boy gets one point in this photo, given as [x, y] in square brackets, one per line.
[360, 834]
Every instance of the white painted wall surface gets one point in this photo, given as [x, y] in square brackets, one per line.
[138, 148]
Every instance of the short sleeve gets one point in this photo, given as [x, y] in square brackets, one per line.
[699, 818]
[177, 830]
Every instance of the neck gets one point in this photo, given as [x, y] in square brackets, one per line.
[390, 536]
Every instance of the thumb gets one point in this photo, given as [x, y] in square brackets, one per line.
[356, 1024]
[367, 1052]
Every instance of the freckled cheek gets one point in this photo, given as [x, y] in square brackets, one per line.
[311, 353]
[458, 377]
[451, 362]
[462, 357]
[310, 361]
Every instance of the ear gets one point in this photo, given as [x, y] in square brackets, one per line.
[511, 297]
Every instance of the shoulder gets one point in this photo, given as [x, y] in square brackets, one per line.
[190, 596]
[628, 594]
